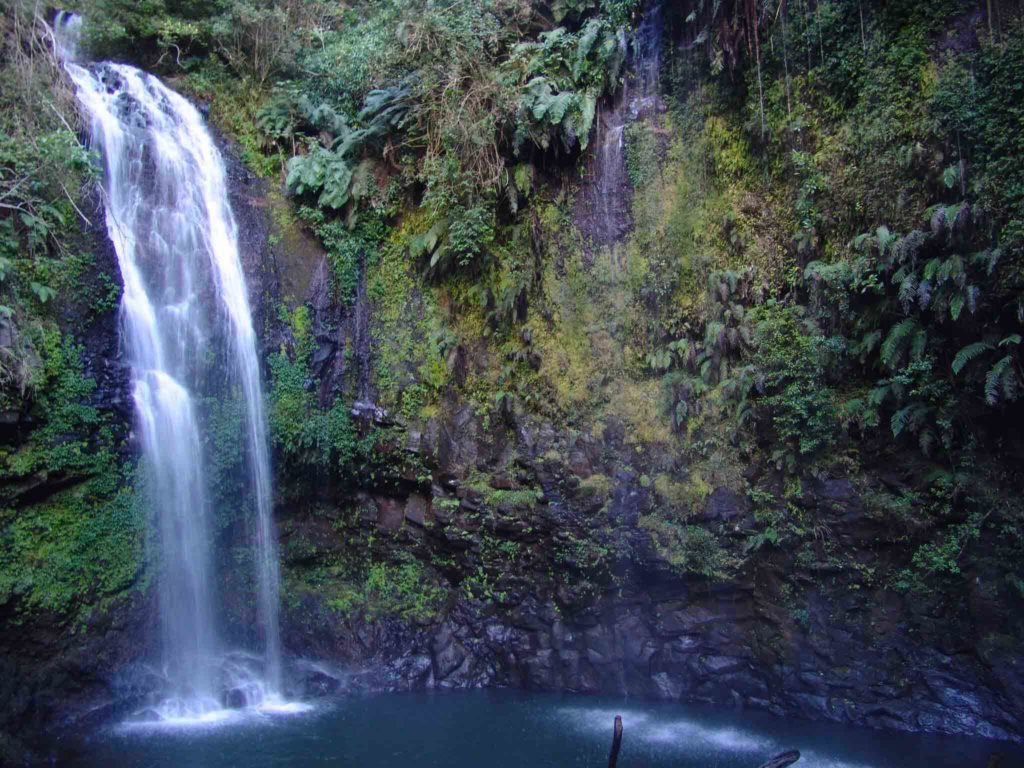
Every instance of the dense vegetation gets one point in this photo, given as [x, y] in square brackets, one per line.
[824, 262]
[70, 532]
[821, 277]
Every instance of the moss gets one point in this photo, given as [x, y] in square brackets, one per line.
[683, 498]
[300, 428]
[596, 487]
[525, 498]
[407, 334]
[76, 549]
[641, 145]
[405, 590]
[636, 404]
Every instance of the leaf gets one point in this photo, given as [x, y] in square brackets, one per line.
[43, 292]
[588, 36]
[558, 107]
[908, 291]
[908, 419]
[951, 175]
[956, 306]
[993, 377]
[336, 184]
[893, 345]
[522, 175]
[968, 353]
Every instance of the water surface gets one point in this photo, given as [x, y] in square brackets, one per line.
[512, 729]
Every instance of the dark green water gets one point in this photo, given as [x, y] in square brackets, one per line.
[509, 729]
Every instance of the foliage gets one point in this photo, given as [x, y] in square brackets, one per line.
[823, 267]
[82, 543]
[44, 170]
[789, 373]
[641, 146]
[303, 431]
[688, 549]
[393, 590]
[561, 76]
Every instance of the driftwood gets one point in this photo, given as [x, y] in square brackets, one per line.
[781, 760]
[613, 756]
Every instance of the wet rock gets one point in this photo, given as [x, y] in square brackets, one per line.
[417, 509]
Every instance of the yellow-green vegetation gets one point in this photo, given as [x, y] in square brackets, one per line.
[823, 267]
[355, 580]
[682, 497]
[409, 341]
[598, 487]
[689, 549]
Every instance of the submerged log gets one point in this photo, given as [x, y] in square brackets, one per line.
[613, 756]
[782, 759]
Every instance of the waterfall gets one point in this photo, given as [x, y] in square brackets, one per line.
[604, 206]
[185, 298]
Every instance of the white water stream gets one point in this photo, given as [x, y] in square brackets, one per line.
[185, 299]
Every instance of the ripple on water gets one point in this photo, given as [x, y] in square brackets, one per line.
[690, 737]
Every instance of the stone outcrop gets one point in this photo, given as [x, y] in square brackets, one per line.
[809, 637]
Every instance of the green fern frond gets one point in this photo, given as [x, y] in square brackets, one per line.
[993, 379]
[968, 353]
[896, 341]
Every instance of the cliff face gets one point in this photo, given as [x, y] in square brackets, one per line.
[488, 545]
[561, 588]
[647, 440]
[546, 480]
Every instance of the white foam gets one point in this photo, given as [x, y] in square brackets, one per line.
[262, 713]
[278, 706]
[602, 718]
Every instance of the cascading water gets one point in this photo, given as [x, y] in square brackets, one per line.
[604, 204]
[168, 215]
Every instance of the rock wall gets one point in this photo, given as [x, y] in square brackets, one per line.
[558, 616]
[59, 669]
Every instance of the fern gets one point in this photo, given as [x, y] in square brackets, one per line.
[956, 306]
[896, 341]
[994, 381]
[910, 418]
[968, 353]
